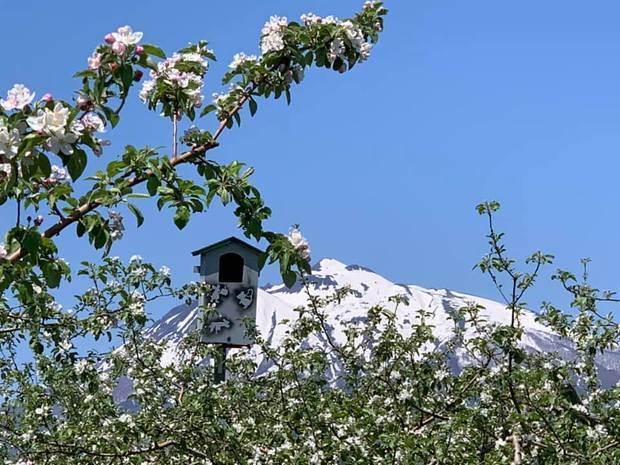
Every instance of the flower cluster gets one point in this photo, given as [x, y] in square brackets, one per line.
[136, 303]
[122, 39]
[240, 59]
[120, 43]
[299, 242]
[53, 124]
[347, 34]
[178, 81]
[10, 139]
[17, 98]
[116, 225]
[58, 175]
[272, 34]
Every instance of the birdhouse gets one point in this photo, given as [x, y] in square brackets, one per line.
[231, 267]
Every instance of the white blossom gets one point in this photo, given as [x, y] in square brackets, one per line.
[5, 170]
[65, 346]
[53, 123]
[196, 58]
[336, 50]
[147, 90]
[117, 227]
[300, 243]
[119, 48]
[3, 252]
[93, 122]
[136, 305]
[126, 36]
[49, 120]
[59, 174]
[135, 259]
[17, 98]
[272, 38]
[240, 58]
[9, 140]
[310, 18]
[58, 143]
[94, 61]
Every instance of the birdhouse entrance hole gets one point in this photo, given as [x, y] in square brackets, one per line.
[231, 268]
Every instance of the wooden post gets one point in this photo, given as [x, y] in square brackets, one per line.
[219, 366]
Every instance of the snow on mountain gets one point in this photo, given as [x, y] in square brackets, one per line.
[277, 303]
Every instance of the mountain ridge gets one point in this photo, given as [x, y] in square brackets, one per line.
[277, 303]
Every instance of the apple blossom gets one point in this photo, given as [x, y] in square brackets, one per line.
[47, 97]
[109, 38]
[177, 77]
[336, 50]
[310, 18]
[147, 90]
[126, 36]
[5, 170]
[94, 61]
[299, 242]
[58, 175]
[272, 38]
[92, 121]
[50, 120]
[62, 143]
[119, 48]
[117, 227]
[17, 98]
[9, 140]
[38, 221]
[3, 252]
[240, 58]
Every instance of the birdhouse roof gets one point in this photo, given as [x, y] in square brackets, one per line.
[224, 242]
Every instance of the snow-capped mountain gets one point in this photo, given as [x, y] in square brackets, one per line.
[277, 303]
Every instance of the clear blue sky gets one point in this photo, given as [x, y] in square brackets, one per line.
[460, 102]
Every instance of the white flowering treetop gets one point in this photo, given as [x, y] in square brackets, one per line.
[395, 398]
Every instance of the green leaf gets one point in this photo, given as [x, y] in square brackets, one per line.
[126, 73]
[289, 278]
[181, 217]
[152, 184]
[253, 107]
[154, 50]
[31, 241]
[44, 165]
[77, 163]
[81, 229]
[51, 274]
[208, 109]
[137, 213]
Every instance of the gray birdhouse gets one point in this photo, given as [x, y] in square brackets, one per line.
[231, 267]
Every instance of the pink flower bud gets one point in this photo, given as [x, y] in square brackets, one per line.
[38, 221]
[47, 97]
[109, 39]
[137, 75]
[139, 49]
